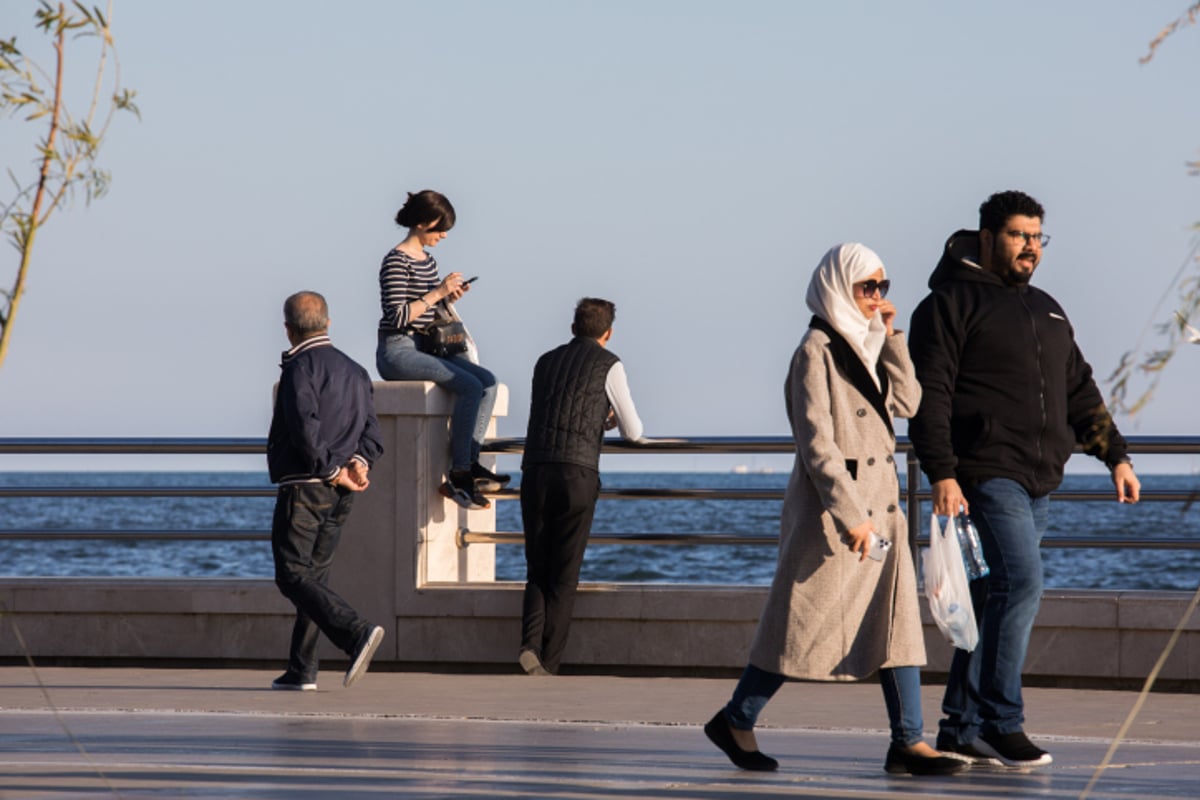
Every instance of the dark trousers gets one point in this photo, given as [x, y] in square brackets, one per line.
[557, 505]
[305, 531]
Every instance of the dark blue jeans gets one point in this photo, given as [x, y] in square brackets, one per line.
[305, 531]
[398, 359]
[983, 691]
[901, 695]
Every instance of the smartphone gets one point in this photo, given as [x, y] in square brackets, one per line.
[879, 547]
[469, 281]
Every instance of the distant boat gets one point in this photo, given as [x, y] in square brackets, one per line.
[742, 469]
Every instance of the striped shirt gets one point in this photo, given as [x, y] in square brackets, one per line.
[403, 279]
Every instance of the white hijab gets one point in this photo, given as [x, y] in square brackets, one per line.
[831, 297]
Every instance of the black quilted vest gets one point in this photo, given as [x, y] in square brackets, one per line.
[569, 405]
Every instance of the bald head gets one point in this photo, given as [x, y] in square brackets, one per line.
[305, 315]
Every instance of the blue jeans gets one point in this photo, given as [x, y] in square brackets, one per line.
[305, 531]
[901, 695]
[398, 359]
[983, 691]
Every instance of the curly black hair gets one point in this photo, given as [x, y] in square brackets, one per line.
[996, 210]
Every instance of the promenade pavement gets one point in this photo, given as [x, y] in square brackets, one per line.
[215, 733]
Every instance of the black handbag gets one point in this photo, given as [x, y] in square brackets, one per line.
[446, 336]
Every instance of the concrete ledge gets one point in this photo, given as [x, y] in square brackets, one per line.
[679, 629]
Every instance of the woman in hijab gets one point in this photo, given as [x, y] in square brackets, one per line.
[843, 604]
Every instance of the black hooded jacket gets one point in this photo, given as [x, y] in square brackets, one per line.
[1006, 391]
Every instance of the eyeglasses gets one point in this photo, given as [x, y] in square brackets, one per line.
[869, 288]
[1041, 238]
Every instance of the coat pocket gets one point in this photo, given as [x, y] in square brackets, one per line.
[852, 468]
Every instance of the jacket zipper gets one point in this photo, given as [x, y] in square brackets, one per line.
[1041, 387]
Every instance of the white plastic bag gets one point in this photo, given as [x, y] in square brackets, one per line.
[946, 586]
[472, 348]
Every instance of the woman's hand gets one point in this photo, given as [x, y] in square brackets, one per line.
[887, 313]
[452, 287]
[858, 539]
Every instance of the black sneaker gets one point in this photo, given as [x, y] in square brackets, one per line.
[461, 489]
[290, 682]
[1014, 749]
[966, 752]
[486, 480]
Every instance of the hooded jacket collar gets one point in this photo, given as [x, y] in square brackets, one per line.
[960, 261]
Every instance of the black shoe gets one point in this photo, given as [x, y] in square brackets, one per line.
[1014, 749]
[486, 480]
[717, 731]
[461, 489]
[965, 752]
[290, 682]
[902, 761]
[363, 655]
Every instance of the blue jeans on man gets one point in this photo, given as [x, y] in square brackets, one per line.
[305, 531]
[983, 691]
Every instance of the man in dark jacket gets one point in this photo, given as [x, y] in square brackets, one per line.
[324, 438]
[1006, 395]
[579, 391]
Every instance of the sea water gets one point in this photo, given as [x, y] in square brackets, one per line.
[736, 564]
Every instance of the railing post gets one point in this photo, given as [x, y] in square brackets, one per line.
[402, 533]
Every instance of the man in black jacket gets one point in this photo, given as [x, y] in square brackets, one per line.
[579, 391]
[1006, 396]
[323, 440]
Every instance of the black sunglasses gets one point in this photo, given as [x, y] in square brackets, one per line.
[869, 288]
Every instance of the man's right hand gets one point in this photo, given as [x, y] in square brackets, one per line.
[948, 498]
[351, 481]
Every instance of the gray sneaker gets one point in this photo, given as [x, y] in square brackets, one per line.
[362, 656]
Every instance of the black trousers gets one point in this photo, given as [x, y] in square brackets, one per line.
[305, 531]
[557, 505]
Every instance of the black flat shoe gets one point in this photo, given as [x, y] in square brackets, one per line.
[717, 731]
[902, 761]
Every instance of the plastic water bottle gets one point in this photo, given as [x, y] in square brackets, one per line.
[972, 549]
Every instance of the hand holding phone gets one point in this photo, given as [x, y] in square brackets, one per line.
[469, 281]
[879, 547]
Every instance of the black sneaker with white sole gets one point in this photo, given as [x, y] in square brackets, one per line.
[461, 489]
[966, 752]
[1014, 749]
[486, 480]
[291, 682]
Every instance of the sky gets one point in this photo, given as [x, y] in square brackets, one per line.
[689, 160]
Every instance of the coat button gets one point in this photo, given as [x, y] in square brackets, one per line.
[862, 412]
[871, 462]
[891, 460]
[892, 508]
[870, 513]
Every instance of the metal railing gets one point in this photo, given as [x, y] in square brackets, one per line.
[914, 493]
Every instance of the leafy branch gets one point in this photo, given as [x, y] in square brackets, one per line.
[66, 156]
[1176, 330]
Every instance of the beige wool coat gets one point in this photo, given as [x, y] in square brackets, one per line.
[828, 615]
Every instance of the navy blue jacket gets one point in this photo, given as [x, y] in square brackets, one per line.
[324, 415]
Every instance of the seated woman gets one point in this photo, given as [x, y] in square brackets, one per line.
[843, 604]
[410, 290]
